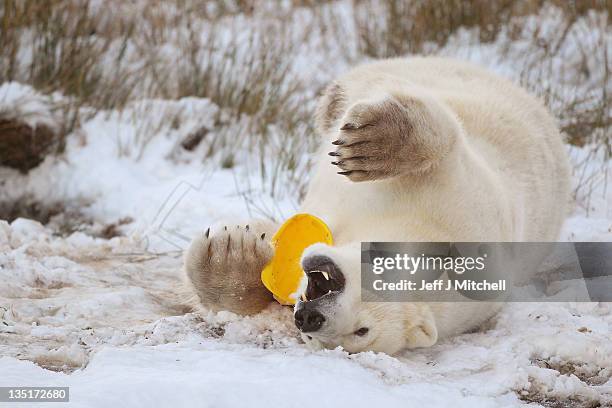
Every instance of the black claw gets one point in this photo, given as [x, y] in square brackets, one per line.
[338, 142]
[349, 126]
[337, 163]
[207, 233]
[345, 173]
[247, 227]
[263, 236]
[334, 154]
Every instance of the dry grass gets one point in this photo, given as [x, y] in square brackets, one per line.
[403, 27]
[248, 73]
[398, 27]
[240, 54]
[54, 46]
[165, 49]
[566, 63]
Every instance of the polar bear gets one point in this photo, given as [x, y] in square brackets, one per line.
[418, 149]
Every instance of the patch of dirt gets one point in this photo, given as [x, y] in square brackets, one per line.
[57, 364]
[215, 331]
[23, 147]
[591, 375]
[65, 223]
[61, 218]
[193, 139]
[31, 208]
[550, 402]
[587, 373]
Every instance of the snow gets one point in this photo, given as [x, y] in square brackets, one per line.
[105, 317]
[265, 378]
[108, 318]
[25, 103]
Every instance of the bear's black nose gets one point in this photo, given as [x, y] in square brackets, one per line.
[308, 320]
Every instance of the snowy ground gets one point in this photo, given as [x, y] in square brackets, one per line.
[105, 318]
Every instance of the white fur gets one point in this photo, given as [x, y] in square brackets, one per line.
[494, 168]
[506, 178]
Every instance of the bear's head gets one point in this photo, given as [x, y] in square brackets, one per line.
[331, 313]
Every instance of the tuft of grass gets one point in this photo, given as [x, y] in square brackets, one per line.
[57, 46]
[395, 28]
[265, 106]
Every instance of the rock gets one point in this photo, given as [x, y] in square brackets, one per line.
[23, 147]
[29, 127]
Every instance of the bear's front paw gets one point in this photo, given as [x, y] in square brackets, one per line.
[369, 138]
[387, 138]
[225, 267]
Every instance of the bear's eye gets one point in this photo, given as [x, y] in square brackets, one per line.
[362, 332]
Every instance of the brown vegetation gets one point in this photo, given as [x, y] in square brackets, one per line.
[240, 54]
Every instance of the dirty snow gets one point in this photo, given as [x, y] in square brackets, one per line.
[105, 318]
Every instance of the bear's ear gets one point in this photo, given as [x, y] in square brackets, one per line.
[421, 329]
[330, 108]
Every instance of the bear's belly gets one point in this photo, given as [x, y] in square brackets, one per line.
[397, 210]
[378, 211]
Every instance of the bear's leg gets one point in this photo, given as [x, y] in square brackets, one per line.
[224, 266]
[393, 136]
